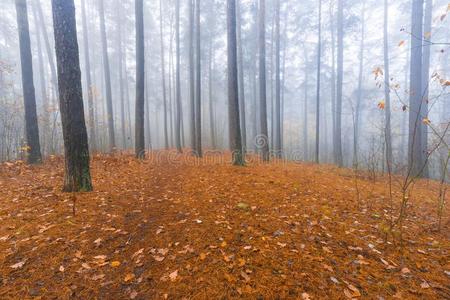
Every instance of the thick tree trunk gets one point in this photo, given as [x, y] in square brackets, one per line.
[87, 65]
[76, 150]
[107, 74]
[263, 138]
[233, 87]
[140, 80]
[29, 98]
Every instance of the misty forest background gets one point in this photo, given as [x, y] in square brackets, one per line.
[308, 70]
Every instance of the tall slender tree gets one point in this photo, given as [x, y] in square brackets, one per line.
[29, 97]
[340, 75]
[263, 138]
[357, 116]
[198, 83]
[178, 80]
[107, 76]
[319, 54]
[140, 80]
[387, 88]
[415, 149]
[426, 74]
[241, 85]
[87, 65]
[120, 73]
[233, 88]
[277, 119]
[76, 150]
[163, 74]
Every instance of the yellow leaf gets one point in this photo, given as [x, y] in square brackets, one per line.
[202, 256]
[241, 262]
[381, 104]
[115, 264]
[426, 121]
[401, 43]
[129, 277]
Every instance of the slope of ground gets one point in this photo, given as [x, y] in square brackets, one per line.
[185, 229]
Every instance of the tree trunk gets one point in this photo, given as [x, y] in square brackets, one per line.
[106, 70]
[263, 139]
[319, 52]
[241, 76]
[29, 98]
[305, 109]
[198, 84]
[140, 80]
[333, 81]
[277, 127]
[191, 76]
[359, 95]
[77, 174]
[87, 65]
[426, 75]
[163, 75]
[120, 73]
[340, 75]
[177, 81]
[415, 149]
[45, 106]
[387, 90]
[233, 88]
[211, 101]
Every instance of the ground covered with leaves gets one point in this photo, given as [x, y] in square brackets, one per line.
[188, 229]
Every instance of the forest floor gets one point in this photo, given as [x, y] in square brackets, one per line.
[190, 230]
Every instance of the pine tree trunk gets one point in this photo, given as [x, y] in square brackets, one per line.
[233, 87]
[198, 84]
[178, 81]
[241, 85]
[163, 75]
[415, 150]
[140, 80]
[76, 150]
[91, 121]
[263, 138]
[340, 75]
[277, 127]
[29, 98]
[359, 95]
[107, 74]
[319, 53]
[387, 90]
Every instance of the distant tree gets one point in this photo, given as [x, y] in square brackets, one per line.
[177, 79]
[191, 76]
[416, 108]
[29, 98]
[120, 73]
[263, 139]
[89, 86]
[140, 80]
[319, 53]
[340, 75]
[198, 83]
[242, 112]
[107, 74]
[387, 88]
[163, 75]
[277, 127]
[76, 150]
[233, 89]
[359, 96]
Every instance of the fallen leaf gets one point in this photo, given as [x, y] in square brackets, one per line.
[425, 285]
[115, 264]
[129, 277]
[18, 265]
[305, 296]
[173, 276]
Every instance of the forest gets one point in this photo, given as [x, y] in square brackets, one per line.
[224, 149]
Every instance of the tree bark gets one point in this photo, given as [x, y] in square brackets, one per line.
[29, 97]
[76, 150]
[177, 81]
[163, 74]
[277, 134]
[319, 53]
[387, 90]
[140, 80]
[198, 83]
[359, 92]
[233, 88]
[241, 85]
